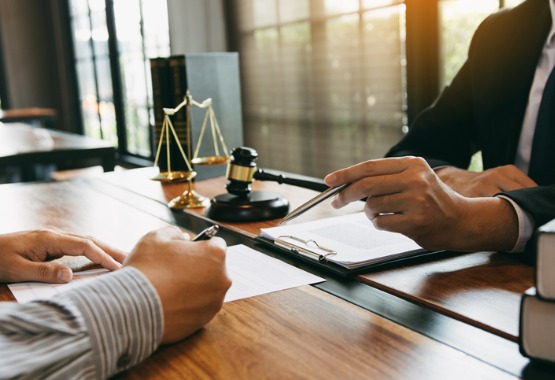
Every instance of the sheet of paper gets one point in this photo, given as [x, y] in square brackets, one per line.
[353, 237]
[252, 272]
[28, 291]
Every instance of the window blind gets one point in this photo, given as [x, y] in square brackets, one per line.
[323, 81]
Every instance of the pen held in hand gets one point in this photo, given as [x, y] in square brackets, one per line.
[313, 202]
[207, 233]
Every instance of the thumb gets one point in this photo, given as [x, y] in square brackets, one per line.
[51, 272]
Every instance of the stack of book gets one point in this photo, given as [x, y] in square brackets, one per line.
[537, 310]
[204, 75]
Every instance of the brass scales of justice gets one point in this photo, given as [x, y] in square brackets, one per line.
[190, 198]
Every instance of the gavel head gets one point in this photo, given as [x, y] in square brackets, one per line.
[241, 170]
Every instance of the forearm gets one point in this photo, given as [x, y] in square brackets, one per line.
[487, 224]
[92, 331]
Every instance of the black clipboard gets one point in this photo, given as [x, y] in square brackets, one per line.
[304, 254]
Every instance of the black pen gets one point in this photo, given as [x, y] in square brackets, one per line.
[207, 233]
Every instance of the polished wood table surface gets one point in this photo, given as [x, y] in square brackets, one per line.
[138, 181]
[24, 145]
[38, 116]
[299, 333]
[482, 289]
[304, 333]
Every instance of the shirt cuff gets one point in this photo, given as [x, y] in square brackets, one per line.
[525, 225]
[123, 315]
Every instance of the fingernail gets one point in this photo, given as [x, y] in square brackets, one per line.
[64, 275]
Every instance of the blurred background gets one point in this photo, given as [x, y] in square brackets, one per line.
[324, 83]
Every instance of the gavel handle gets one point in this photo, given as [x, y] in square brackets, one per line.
[305, 182]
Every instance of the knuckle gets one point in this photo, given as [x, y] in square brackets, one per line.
[46, 233]
[491, 173]
[218, 252]
[368, 182]
[87, 243]
[153, 233]
[43, 271]
[370, 207]
[416, 161]
[420, 201]
[226, 284]
[173, 230]
[421, 180]
[149, 237]
[368, 167]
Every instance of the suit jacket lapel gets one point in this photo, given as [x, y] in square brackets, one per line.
[523, 46]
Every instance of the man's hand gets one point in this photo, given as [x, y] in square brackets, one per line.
[486, 183]
[24, 256]
[405, 195]
[190, 278]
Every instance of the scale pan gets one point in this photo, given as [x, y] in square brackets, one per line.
[172, 177]
[210, 160]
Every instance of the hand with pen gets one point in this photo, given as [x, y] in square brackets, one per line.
[189, 276]
[405, 195]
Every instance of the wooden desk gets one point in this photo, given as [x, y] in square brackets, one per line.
[23, 145]
[40, 117]
[482, 289]
[305, 333]
[138, 181]
[297, 333]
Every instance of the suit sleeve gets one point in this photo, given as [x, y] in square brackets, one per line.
[90, 332]
[539, 202]
[446, 132]
[455, 127]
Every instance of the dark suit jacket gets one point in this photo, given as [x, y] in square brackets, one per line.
[483, 108]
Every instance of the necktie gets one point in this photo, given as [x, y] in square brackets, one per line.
[542, 162]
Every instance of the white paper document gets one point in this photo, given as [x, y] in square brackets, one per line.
[351, 241]
[29, 291]
[252, 272]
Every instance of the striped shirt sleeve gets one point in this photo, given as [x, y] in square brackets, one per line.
[90, 332]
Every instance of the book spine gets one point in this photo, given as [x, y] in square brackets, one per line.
[521, 330]
[160, 99]
[181, 120]
[536, 327]
[545, 261]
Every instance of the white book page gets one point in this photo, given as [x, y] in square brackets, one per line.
[252, 272]
[353, 237]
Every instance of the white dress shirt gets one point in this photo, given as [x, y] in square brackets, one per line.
[524, 152]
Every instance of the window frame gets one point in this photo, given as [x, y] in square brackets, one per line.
[423, 71]
[124, 154]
